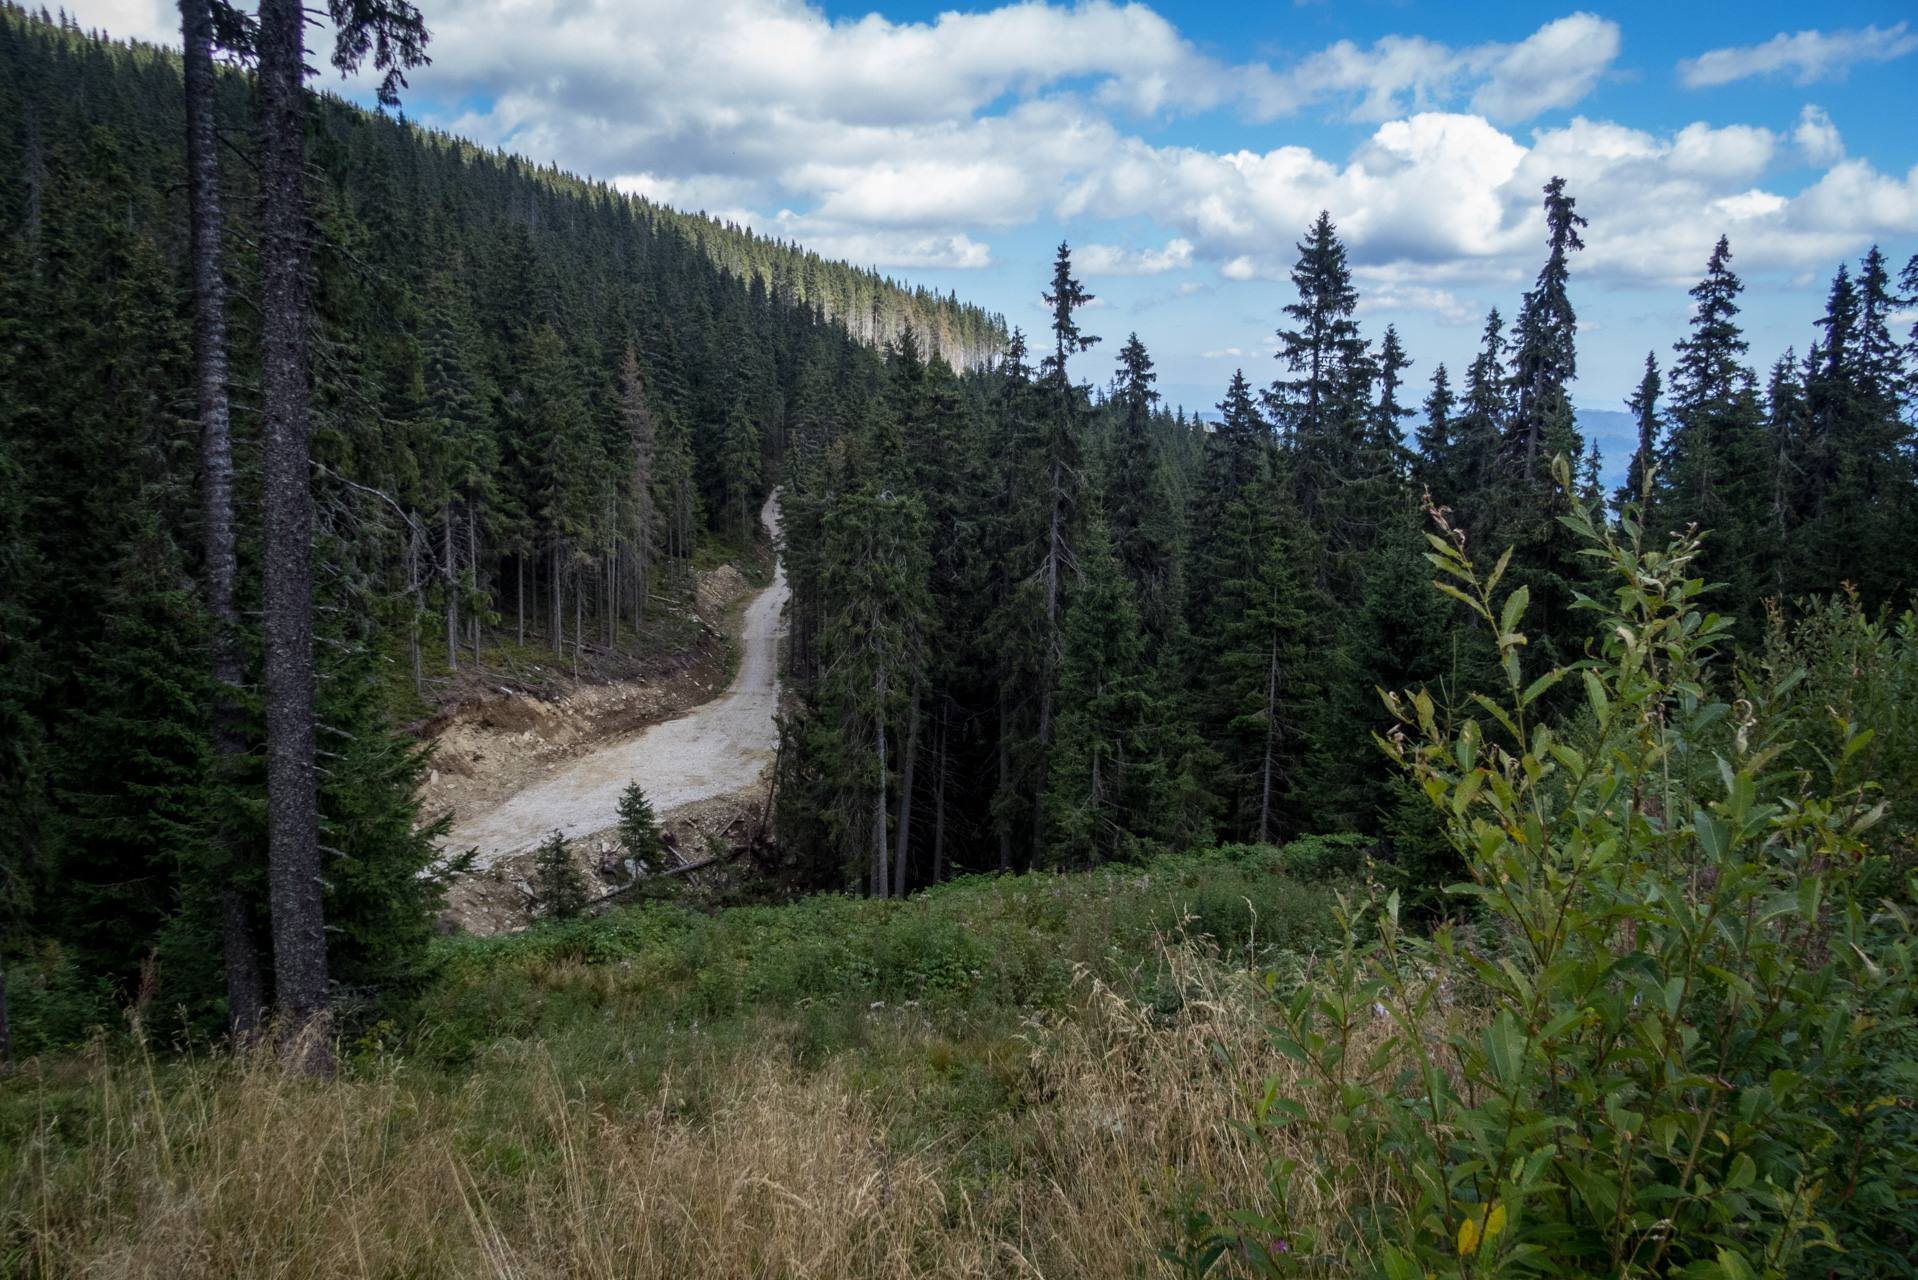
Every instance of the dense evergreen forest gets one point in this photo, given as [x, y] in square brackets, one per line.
[1035, 623]
[533, 402]
[1043, 625]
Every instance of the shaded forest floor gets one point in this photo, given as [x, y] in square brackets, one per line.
[999, 1077]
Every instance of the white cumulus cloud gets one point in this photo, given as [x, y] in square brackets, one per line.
[1111, 260]
[1555, 66]
[1817, 137]
[914, 144]
[1808, 56]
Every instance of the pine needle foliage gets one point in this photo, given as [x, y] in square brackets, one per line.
[638, 827]
[558, 884]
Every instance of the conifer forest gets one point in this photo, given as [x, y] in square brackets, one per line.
[1335, 833]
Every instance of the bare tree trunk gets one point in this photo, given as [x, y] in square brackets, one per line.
[419, 605]
[1005, 779]
[905, 797]
[451, 572]
[939, 802]
[245, 998]
[519, 594]
[579, 634]
[879, 802]
[558, 608]
[472, 558]
[293, 851]
[1054, 552]
[1271, 741]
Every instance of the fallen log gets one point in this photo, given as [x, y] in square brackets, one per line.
[679, 870]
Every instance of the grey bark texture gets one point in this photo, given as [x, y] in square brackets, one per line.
[879, 800]
[905, 799]
[245, 995]
[939, 804]
[452, 575]
[1005, 778]
[293, 852]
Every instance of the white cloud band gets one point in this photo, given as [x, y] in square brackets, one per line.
[1809, 56]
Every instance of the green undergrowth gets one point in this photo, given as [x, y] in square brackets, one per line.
[975, 947]
[926, 1005]
[752, 556]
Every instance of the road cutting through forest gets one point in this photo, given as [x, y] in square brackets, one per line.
[715, 749]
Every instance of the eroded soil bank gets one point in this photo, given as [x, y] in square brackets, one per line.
[515, 767]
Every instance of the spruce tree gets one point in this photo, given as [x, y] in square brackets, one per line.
[559, 886]
[1138, 501]
[1433, 465]
[1318, 409]
[1257, 670]
[1061, 448]
[1786, 432]
[873, 644]
[1856, 458]
[391, 30]
[1104, 775]
[1544, 356]
[1399, 638]
[1643, 405]
[740, 463]
[1516, 505]
[1713, 462]
[1479, 432]
[638, 827]
[245, 993]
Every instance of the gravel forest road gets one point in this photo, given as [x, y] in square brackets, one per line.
[717, 748]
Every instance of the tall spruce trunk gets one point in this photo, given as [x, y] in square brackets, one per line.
[1005, 779]
[558, 607]
[1054, 552]
[415, 588]
[879, 799]
[1271, 741]
[939, 803]
[452, 595]
[293, 851]
[245, 996]
[905, 798]
[472, 558]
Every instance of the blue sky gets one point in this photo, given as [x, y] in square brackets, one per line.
[1183, 148]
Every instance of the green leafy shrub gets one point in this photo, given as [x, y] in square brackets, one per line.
[1677, 1041]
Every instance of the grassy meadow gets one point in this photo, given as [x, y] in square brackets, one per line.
[1000, 1077]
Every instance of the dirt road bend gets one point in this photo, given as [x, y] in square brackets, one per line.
[717, 748]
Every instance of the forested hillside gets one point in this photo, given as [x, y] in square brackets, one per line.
[533, 400]
[1336, 840]
[1042, 624]
[1035, 623]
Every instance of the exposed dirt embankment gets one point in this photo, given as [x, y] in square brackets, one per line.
[517, 767]
[501, 899]
[495, 745]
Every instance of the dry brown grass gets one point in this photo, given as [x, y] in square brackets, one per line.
[238, 1169]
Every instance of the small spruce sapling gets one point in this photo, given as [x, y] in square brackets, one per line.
[559, 883]
[638, 827]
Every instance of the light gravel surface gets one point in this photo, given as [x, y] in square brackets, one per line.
[715, 749]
